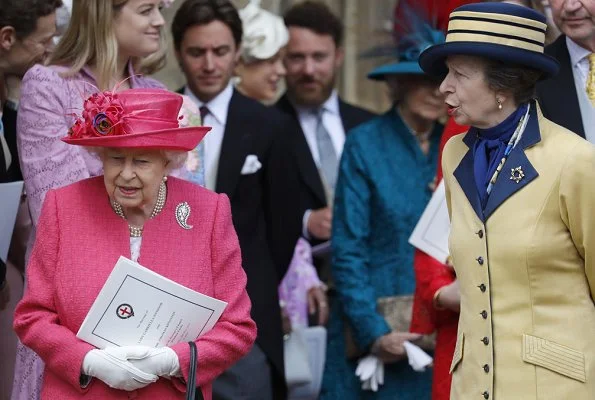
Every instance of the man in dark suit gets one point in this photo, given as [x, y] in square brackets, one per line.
[312, 59]
[245, 157]
[27, 28]
[565, 98]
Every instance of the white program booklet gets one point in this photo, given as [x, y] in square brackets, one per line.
[431, 232]
[137, 306]
[10, 197]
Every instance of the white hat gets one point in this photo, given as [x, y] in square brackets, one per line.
[264, 32]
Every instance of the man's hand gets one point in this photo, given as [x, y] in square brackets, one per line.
[317, 301]
[286, 322]
[320, 223]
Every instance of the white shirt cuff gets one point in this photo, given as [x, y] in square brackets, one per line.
[305, 232]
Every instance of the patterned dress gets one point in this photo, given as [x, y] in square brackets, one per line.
[383, 187]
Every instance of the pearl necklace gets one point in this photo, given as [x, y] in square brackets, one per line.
[136, 231]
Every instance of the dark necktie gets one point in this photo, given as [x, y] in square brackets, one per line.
[204, 111]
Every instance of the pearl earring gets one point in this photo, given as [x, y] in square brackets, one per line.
[165, 179]
[499, 104]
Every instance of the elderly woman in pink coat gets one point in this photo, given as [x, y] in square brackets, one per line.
[132, 211]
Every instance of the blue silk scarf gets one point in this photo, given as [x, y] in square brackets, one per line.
[489, 149]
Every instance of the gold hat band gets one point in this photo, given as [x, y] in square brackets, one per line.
[501, 29]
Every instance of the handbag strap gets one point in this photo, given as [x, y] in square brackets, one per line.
[191, 392]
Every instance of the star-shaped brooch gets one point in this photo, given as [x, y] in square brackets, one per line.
[516, 174]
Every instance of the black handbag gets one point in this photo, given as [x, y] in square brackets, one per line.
[191, 392]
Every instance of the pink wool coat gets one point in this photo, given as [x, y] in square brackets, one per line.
[80, 238]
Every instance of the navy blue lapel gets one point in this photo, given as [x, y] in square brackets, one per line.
[465, 177]
[505, 186]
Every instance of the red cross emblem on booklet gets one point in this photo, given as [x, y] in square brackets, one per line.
[125, 311]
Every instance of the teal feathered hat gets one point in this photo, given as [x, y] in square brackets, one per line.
[412, 35]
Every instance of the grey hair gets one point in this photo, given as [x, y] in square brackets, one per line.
[175, 158]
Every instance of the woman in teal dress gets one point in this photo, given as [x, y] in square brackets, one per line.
[385, 181]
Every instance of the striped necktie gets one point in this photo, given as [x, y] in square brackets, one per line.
[591, 79]
[328, 155]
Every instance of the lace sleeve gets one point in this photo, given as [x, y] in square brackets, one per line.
[47, 100]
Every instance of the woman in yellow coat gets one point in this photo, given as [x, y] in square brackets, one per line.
[521, 194]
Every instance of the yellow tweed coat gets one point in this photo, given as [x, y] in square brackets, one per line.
[526, 269]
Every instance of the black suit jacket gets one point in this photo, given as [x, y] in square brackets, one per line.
[312, 194]
[3, 171]
[3, 178]
[9, 121]
[264, 211]
[557, 96]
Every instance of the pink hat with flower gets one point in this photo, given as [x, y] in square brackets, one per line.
[134, 118]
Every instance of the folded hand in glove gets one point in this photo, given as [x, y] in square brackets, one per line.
[112, 366]
[162, 361]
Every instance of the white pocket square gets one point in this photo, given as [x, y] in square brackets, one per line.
[251, 165]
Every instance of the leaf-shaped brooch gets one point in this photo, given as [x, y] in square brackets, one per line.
[182, 214]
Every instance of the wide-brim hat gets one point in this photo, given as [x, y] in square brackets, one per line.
[134, 118]
[505, 32]
[395, 68]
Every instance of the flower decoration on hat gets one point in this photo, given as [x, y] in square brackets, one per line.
[103, 115]
[412, 45]
[135, 118]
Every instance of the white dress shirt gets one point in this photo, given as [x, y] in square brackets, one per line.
[579, 60]
[217, 119]
[331, 119]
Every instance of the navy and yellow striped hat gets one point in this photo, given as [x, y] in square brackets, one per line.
[500, 31]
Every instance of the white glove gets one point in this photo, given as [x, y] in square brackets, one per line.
[380, 373]
[366, 367]
[370, 371]
[161, 361]
[418, 359]
[112, 366]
